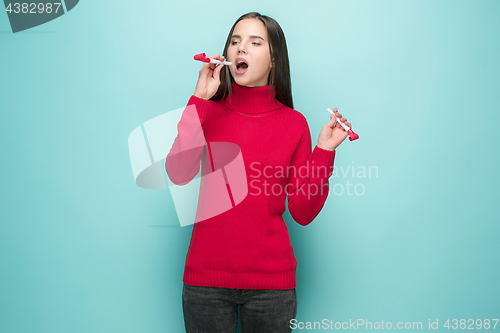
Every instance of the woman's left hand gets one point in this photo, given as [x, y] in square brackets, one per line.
[333, 134]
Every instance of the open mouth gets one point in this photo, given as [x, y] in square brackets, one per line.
[241, 67]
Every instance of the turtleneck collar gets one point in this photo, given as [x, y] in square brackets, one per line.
[252, 99]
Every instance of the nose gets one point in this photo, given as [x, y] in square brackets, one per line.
[241, 48]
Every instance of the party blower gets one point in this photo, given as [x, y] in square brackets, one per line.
[352, 136]
[204, 58]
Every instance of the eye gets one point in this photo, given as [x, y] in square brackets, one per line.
[233, 42]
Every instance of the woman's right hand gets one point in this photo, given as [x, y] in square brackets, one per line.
[209, 78]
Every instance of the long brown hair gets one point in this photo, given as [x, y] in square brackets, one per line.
[279, 76]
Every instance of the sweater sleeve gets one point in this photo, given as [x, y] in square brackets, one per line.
[307, 183]
[182, 163]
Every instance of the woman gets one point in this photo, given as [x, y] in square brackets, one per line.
[243, 258]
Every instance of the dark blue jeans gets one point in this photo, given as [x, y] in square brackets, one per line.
[215, 310]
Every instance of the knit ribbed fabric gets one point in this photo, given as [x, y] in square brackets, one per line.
[248, 246]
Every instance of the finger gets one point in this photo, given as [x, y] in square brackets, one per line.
[331, 123]
[220, 58]
[335, 115]
[217, 71]
[337, 124]
[348, 125]
[216, 56]
[207, 67]
[210, 65]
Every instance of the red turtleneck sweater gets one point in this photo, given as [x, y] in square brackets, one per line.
[248, 246]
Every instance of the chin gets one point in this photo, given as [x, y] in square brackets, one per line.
[241, 82]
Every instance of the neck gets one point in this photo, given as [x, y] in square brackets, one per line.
[252, 99]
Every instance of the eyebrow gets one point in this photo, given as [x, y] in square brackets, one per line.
[251, 36]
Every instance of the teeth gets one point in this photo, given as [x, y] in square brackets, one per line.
[238, 64]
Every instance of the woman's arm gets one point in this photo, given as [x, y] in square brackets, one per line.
[183, 161]
[307, 185]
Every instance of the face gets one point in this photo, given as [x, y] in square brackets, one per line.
[249, 43]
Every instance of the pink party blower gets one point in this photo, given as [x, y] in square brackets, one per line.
[204, 58]
[352, 136]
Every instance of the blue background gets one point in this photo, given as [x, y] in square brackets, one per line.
[84, 249]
